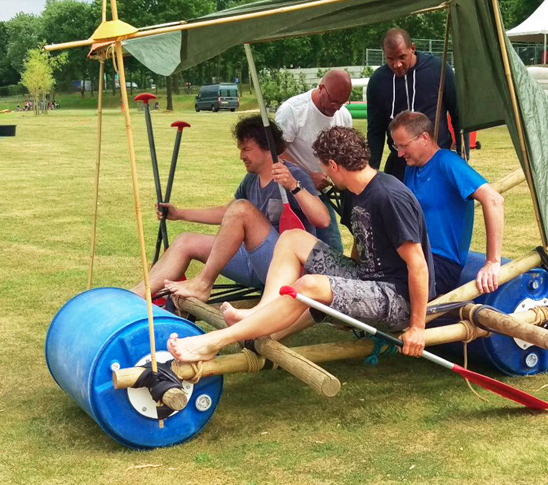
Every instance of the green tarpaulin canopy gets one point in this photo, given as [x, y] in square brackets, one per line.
[484, 95]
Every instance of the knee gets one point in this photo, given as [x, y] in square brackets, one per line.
[240, 208]
[291, 236]
[181, 240]
[307, 284]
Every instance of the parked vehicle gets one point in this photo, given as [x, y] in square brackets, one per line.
[218, 96]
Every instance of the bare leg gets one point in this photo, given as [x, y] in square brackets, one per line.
[304, 321]
[174, 262]
[274, 317]
[242, 223]
[290, 253]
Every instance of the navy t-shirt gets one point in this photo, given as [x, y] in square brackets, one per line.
[381, 218]
[269, 201]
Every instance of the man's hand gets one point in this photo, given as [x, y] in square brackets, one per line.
[413, 342]
[170, 210]
[282, 176]
[487, 279]
[320, 180]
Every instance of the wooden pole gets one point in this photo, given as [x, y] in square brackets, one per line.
[441, 87]
[357, 349]
[508, 325]
[507, 182]
[317, 378]
[517, 119]
[97, 172]
[469, 291]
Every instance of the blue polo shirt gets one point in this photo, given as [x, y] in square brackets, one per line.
[443, 187]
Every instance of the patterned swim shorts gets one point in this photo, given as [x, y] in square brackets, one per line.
[374, 302]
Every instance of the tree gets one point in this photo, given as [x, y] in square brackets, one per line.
[64, 21]
[37, 75]
[8, 75]
[24, 33]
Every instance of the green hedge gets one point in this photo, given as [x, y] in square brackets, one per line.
[12, 90]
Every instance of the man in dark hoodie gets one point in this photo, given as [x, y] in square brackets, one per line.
[409, 81]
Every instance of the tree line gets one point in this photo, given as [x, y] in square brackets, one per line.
[68, 20]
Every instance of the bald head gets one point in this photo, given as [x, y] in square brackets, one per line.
[333, 91]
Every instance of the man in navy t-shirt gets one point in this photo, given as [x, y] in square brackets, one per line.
[446, 187]
[249, 223]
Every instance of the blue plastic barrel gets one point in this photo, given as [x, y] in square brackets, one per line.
[105, 329]
[508, 355]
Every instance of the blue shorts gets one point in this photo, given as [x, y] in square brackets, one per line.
[250, 267]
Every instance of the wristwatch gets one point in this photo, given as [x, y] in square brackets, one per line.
[297, 188]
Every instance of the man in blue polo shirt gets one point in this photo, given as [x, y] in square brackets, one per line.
[446, 187]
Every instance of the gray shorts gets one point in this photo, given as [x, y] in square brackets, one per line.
[374, 302]
[250, 267]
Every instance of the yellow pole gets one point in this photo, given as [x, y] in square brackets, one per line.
[137, 202]
[441, 87]
[517, 119]
[97, 171]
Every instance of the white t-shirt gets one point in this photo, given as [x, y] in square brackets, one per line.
[301, 122]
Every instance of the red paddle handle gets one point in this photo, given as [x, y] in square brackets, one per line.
[144, 97]
[180, 125]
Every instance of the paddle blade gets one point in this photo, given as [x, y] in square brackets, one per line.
[289, 220]
[501, 389]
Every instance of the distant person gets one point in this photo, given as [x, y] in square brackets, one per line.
[301, 118]
[446, 187]
[249, 223]
[408, 81]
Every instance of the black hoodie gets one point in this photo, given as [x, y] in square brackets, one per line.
[388, 95]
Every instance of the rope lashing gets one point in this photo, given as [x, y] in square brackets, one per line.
[378, 346]
[158, 384]
[198, 368]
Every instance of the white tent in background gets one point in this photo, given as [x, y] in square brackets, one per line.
[533, 29]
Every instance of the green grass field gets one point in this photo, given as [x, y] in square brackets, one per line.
[399, 421]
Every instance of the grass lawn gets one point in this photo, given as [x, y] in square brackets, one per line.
[399, 421]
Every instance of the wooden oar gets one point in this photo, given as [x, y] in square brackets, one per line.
[288, 219]
[492, 385]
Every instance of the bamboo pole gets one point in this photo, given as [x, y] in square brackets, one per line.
[506, 183]
[469, 291]
[441, 87]
[517, 119]
[224, 20]
[137, 202]
[97, 170]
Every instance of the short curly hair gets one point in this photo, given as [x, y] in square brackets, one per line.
[346, 146]
[251, 128]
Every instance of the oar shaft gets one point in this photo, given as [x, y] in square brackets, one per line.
[264, 115]
[369, 329]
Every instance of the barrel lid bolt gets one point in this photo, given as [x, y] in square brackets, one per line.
[203, 402]
[534, 284]
[114, 366]
[531, 360]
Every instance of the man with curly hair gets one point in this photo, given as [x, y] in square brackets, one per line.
[249, 223]
[386, 282]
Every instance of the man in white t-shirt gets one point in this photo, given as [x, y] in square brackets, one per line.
[301, 119]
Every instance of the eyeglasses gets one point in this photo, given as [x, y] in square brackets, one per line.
[332, 102]
[404, 146]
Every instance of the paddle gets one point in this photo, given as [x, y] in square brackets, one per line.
[492, 385]
[145, 98]
[180, 125]
[288, 219]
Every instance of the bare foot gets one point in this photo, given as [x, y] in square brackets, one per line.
[234, 315]
[192, 349]
[194, 287]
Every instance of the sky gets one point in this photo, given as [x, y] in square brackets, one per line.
[8, 8]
